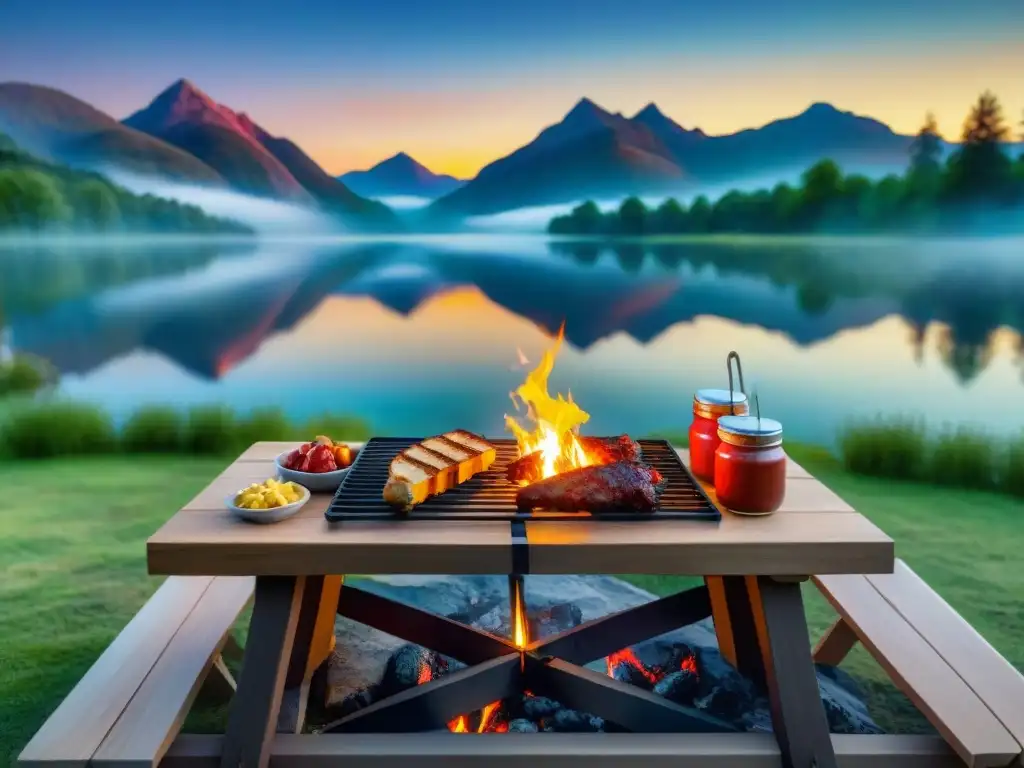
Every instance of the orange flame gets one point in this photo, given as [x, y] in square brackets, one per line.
[487, 716]
[520, 629]
[458, 725]
[556, 420]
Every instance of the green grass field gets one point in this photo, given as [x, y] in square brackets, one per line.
[72, 553]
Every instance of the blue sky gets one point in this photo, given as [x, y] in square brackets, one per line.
[459, 82]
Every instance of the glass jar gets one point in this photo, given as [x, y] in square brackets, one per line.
[708, 406]
[750, 465]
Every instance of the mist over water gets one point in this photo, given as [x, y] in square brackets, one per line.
[265, 216]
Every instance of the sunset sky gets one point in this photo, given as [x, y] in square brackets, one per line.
[458, 83]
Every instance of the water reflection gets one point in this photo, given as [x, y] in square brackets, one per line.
[389, 324]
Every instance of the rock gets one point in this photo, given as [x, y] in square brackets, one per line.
[521, 725]
[686, 665]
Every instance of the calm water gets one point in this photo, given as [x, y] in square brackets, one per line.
[421, 336]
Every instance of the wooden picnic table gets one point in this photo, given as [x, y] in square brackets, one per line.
[752, 569]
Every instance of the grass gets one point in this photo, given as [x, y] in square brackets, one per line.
[959, 457]
[47, 428]
[72, 552]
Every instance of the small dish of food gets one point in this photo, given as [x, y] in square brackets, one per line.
[319, 466]
[268, 502]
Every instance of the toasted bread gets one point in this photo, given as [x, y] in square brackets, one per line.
[434, 465]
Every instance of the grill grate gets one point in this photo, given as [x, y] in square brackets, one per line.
[489, 496]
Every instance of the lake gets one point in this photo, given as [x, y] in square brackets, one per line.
[423, 335]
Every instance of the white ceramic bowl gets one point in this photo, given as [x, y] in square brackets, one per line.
[275, 515]
[317, 482]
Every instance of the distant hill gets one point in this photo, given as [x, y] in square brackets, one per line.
[52, 124]
[400, 175]
[592, 153]
[248, 156]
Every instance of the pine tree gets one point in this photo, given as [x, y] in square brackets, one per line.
[981, 170]
[926, 149]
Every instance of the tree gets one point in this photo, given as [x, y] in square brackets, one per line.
[822, 186]
[97, 204]
[586, 218]
[30, 199]
[632, 216]
[925, 168]
[669, 218]
[980, 170]
[700, 214]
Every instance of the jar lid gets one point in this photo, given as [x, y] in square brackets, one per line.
[719, 397]
[750, 430]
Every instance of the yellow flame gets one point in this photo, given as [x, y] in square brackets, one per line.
[556, 419]
[520, 630]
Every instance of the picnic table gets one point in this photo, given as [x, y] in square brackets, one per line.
[752, 569]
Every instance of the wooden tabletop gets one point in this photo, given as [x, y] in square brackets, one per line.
[815, 532]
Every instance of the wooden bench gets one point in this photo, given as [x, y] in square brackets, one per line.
[130, 705]
[969, 693]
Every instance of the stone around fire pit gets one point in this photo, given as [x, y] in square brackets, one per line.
[685, 666]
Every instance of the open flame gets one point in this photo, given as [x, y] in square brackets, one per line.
[555, 420]
[520, 629]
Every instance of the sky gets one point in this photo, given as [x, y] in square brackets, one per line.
[459, 83]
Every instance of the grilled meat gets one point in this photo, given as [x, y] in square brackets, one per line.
[434, 465]
[605, 451]
[619, 486]
[527, 469]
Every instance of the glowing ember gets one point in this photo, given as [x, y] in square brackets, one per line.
[627, 656]
[424, 676]
[556, 420]
[487, 716]
[458, 725]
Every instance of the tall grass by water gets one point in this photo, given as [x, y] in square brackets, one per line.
[51, 428]
[905, 449]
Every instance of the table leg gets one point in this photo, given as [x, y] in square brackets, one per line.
[736, 627]
[314, 642]
[766, 631]
[268, 648]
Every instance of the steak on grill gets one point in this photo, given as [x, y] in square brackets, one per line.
[621, 485]
[527, 469]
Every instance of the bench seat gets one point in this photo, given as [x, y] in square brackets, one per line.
[129, 706]
[969, 693]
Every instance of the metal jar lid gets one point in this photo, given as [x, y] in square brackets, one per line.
[716, 402]
[750, 431]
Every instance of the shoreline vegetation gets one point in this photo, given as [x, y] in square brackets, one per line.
[979, 186]
[40, 197]
[896, 448]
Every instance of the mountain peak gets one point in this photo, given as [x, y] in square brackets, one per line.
[822, 108]
[584, 109]
[652, 110]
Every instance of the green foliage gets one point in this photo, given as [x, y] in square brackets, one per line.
[56, 428]
[37, 196]
[211, 429]
[338, 427]
[153, 429]
[892, 448]
[266, 424]
[47, 428]
[930, 196]
[964, 457]
[24, 375]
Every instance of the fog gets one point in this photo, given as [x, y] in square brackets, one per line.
[263, 215]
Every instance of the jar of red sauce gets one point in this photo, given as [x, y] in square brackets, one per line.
[708, 406]
[750, 465]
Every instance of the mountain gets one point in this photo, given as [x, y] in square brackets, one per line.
[186, 117]
[249, 157]
[400, 175]
[590, 152]
[54, 125]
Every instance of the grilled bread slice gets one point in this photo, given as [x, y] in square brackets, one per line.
[434, 465]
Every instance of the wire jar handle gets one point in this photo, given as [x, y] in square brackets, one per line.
[739, 373]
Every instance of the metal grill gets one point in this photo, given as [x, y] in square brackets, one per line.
[489, 496]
